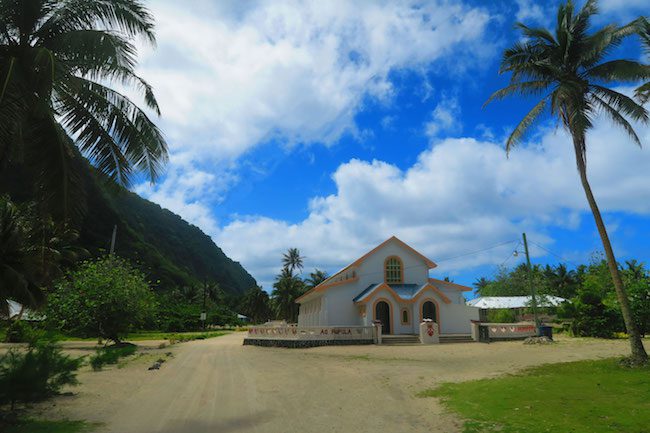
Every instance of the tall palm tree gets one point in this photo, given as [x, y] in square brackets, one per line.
[286, 289]
[58, 59]
[315, 278]
[292, 260]
[567, 68]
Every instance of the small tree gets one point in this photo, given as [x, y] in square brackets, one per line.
[35, 374]
[106, 297]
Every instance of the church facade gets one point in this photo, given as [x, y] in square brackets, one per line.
[389, 284]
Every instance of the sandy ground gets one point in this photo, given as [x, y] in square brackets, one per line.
[218, 385]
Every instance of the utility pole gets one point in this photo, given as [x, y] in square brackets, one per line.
[113, 236]
[204, 314]
[530, 283]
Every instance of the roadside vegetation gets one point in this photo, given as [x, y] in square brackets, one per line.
[593, 310]
[595, 396]
[42, 426]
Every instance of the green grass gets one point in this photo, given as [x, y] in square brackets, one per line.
[585, 396]
[153, 335]
[40, 426]
[178, 336]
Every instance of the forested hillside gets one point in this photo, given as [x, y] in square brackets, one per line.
[169, 250]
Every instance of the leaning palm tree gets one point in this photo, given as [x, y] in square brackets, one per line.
[292, 259]
[568, 69]
[58, 60]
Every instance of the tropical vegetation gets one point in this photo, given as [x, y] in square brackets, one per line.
[593, 308]
[571, 70]
[104, 297]
[58, 60]
[36, 373]
[33, 253]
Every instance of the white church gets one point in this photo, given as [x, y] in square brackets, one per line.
[389, 284]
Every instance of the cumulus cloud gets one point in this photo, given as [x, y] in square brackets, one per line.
[444, 118]
[462, 194]
[231, 76]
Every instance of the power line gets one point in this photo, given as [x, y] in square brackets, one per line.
[510, 255]
[552, 253]
[477, 251]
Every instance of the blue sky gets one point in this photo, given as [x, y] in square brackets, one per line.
[330, 126]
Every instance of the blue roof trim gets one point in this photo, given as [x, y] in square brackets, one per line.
[361, 295]
[404, 291]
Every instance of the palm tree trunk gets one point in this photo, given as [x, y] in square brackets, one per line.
[639, 355]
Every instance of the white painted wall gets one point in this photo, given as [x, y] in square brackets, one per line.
[456, 318]
[371, 271]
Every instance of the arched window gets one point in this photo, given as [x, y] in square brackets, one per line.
[393, 272]
[405, 317]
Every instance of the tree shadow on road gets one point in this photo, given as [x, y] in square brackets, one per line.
[238, 424]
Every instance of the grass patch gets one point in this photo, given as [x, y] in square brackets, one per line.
[177, 336]
[40, 426]
[584, 396]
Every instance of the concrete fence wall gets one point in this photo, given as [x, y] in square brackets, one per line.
[502, 331]
[307, 336]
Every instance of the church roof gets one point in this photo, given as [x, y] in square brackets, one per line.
[332, 281]
[402, 292]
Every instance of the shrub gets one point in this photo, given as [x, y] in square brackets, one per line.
[111, 355]
[19, 332]
[35, 374]
[106, 297]
[591, 316]
[502, 315]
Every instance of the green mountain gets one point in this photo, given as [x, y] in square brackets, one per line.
[171, 251]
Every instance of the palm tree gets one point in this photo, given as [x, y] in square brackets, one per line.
[643, 91]
[33, 253]
[568, 69]
[292, 259]
[286, 289]
[315, 278]
[481, 283]
[256, 305]
[58, 59]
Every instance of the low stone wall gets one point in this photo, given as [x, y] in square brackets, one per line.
[310, 336]
[298, 344]
[486, 332]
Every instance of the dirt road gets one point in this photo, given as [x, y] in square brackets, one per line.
[218, 385]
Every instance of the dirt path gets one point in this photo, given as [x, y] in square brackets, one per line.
[218, 385]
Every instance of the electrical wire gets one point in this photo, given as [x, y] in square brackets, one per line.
[552, 253]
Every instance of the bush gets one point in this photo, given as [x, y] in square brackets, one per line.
[591, 316]
[111, 355]
[35, 374]
[19, 332]
[106, 297]
[502, 315]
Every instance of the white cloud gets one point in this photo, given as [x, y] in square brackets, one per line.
[294, 70]
[461, 195]
[230, 76]
[444, 118]
[530, 10]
